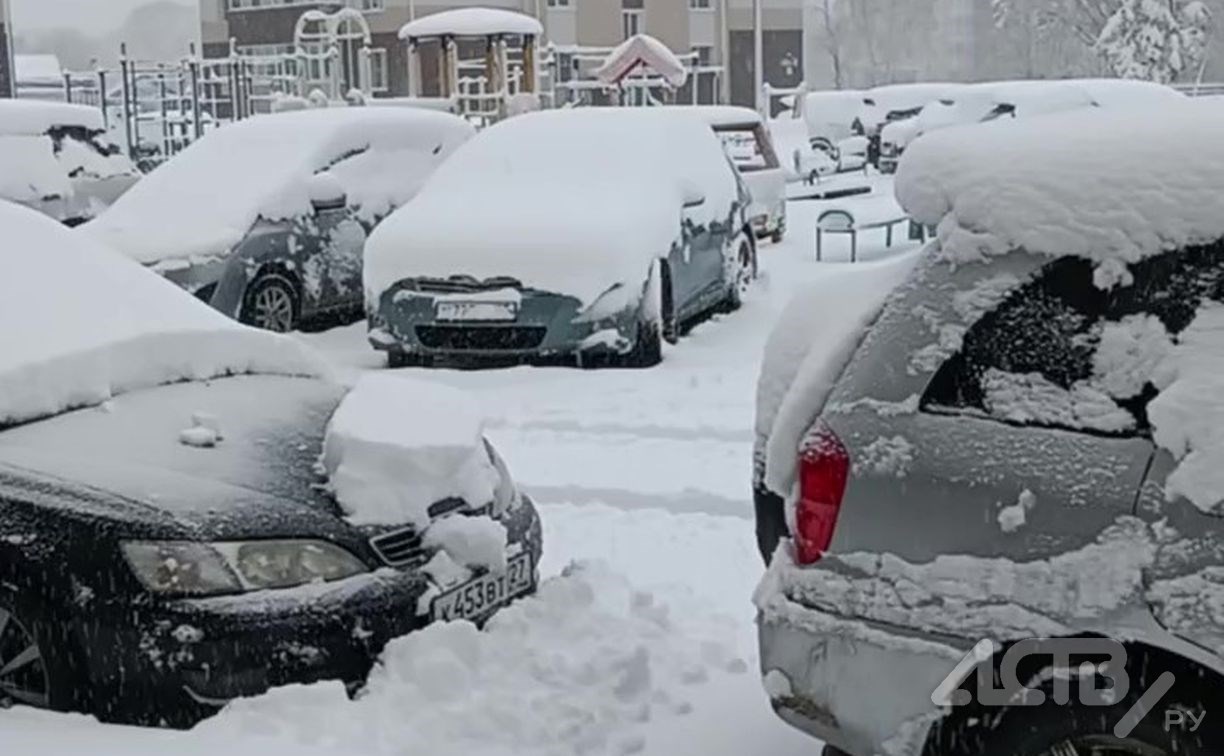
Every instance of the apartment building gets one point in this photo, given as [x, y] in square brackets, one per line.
[6, 51]
[718, 33]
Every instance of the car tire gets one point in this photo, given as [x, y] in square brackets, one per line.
[272, 304]
[44, 682]
[1052, 729]
[777, 236]
[831, 751]
[744, 272]
[648, 349]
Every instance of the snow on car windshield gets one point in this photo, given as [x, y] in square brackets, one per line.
[206, 199]
[506, 204]
[105, 326]
[28, 118]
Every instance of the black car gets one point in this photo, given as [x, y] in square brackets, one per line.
[148, 573]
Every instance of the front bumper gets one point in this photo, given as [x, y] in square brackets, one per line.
[175, 662]
[861, 686]
[546, 325]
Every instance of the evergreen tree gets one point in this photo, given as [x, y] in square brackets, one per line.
[1155, 40]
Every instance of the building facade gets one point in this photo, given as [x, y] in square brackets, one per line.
[716, 33]
[7, 75]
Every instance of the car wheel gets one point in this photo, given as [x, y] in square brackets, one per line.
[648, 349]
[744, 273]
[29, 675]
[271, 304]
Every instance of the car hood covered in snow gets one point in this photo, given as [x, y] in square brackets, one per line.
[84, 324]
[259, 478]
[572, 202]
[205, 200]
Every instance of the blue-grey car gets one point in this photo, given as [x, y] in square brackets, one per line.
[589, 234]
[266, 220]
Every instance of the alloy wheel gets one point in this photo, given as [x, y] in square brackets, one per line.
[23, 671]
[273, 309]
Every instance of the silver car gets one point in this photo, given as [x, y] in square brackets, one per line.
[939, 510]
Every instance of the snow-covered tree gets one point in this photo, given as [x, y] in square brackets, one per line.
[1156, 40]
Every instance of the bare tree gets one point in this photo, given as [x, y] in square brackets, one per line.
[831, 30]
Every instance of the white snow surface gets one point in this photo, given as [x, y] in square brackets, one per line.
[472, 22]
[642, 50]
[1091, 184]
[35, 118]
[204, 201]
[397, 445]
[814, 340]
[470, 541]
[1188, 415]
[107, 326]
[31, 172]
[505, 204]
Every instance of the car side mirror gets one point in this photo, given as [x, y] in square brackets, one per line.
[326, 192]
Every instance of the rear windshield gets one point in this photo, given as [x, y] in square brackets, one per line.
[749, 147]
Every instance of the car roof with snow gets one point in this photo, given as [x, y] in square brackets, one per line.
[106, 326]
[721, 116]
[34, 118]
[206, 199]
[1085, 183]
[572, 201]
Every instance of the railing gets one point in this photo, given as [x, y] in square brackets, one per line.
[1201, 89]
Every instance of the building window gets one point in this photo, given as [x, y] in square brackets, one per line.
[558, 3]
[379, 79]
[704, 53]
[631, 16]
[701, 4]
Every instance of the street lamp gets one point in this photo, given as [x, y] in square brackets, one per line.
[758, 57]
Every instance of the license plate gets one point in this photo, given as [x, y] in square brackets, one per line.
[484, 595]
[477, 311]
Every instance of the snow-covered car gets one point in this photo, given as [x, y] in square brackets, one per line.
[587, 233]
[1013, 434]
[751, 149]
[266, 219]
[57, 159]
[190, 511]
[991, 101]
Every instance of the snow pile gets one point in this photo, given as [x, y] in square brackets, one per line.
[206, 200]
[1015, 516]
[1188, 415]
[83, 324]
[505, 205]
[589, 666]
[817, 335]
[967, 596]
[1089, 184]
[33, 118]
[31, 172]
[472, 22]
[395, 446]
[646, 52]
[470, 541]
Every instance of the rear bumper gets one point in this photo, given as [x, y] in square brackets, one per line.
[860, 686]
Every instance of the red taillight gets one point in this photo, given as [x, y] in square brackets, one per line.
[824, 465]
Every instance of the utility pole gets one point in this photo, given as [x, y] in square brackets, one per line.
[758, 57]
[412, 10]
[724, 35]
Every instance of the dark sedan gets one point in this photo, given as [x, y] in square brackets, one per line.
[168, 540]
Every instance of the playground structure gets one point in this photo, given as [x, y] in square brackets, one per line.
[480, 63]
[484, 60]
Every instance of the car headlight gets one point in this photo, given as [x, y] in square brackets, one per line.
[186, 568]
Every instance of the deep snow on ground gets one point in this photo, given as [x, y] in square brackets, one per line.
[647, 646]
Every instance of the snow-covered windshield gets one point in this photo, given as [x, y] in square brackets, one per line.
[83, 323]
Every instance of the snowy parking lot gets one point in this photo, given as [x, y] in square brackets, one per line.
[641, 639]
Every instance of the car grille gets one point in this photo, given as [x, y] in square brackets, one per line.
[481, 338]
[404, 548]
[466, 284]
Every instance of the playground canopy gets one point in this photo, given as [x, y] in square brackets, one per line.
[472, 22]
[644, 52]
